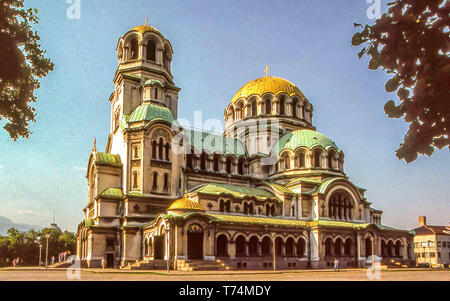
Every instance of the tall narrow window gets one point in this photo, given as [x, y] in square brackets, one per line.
[228, 167]
[156, 92]
[189, 160]
[167, 151]
[155, 181]
[166, 182]
[317, 154]
[302, 160]
[203, 161]
[282, 106]
[154, 149]
[268, 107]
[294, 108]
[254, 108]
[216, 163]
[135, 180]
[287, 162]
[133, 49]
[151, 50]
[160, 148]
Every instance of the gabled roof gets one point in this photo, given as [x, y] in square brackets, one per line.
[236, 191]
[431, 230]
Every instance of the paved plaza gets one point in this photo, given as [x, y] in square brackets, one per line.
[40, 274]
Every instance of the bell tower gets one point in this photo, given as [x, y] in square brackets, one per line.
[143, 73]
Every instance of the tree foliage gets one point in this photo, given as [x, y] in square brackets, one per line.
[411, 42]
[25, 245]
[22, 64]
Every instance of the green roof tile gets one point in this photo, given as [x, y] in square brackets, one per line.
[108, 159]
[212, 142]
[149, 111]
[236, 191]
[303, 138]
[112, 192]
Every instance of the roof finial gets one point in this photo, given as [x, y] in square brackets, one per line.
[146, 21]
[94, 148]
[267, 70]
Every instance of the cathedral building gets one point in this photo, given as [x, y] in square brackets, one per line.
[270, 192]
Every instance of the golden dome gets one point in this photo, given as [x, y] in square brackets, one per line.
[268, 84]
[185, 203]
[144, 28]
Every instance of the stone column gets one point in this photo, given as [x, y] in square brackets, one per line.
[232, 249]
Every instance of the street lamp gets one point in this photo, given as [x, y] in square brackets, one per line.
[40, 253]
[373, 250]
[47, 236]
[168, 249]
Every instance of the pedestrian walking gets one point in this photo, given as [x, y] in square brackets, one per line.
[103, 263]
[336, 265]
[53, 260]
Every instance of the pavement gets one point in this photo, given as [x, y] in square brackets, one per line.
[62, 274]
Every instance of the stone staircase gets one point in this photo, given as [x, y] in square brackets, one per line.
[156, 264]
[201, 265]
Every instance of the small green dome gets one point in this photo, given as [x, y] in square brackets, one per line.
[303, 138]
[149, 111]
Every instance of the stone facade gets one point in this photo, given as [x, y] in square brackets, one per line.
[270, 190]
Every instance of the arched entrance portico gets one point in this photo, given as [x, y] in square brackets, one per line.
[195, 242]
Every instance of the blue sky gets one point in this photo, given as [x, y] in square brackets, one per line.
[219, 46]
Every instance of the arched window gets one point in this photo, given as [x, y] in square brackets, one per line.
[151, 50]
[331, 155]
[155, 181]
[290, 246]
[203, 161]
[167, 151]
[272, 210]
[222, 246]
[221, 205]
[254, 108]
[135, 179]
[294, 107]
[154, 149]
[282, 106]
[166, 182]
[253, 246]
[241, 166]
[228, 165]
[216, 162]
[228, 206]
[348, 247]
[328, 247]
[268, 107]
[160, 148]
[246, 207]
[340, 206]
[240, 246]
[287, 162]
[266, 246]
[302, 160]
[133, 49]
[317, 154]
[337, 247]
[278, 245]
[301, 247]
[251, 209]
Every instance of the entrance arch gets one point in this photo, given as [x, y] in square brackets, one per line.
[195, 242]
[222, 246]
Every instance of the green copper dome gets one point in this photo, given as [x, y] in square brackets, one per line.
[149, 112]
[303, 138]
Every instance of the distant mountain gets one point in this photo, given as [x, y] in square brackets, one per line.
[6, 223]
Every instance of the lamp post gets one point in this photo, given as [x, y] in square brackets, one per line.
[168, 249]
[274, 258]
[40, 252]
[47, 236]
[373, 250]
